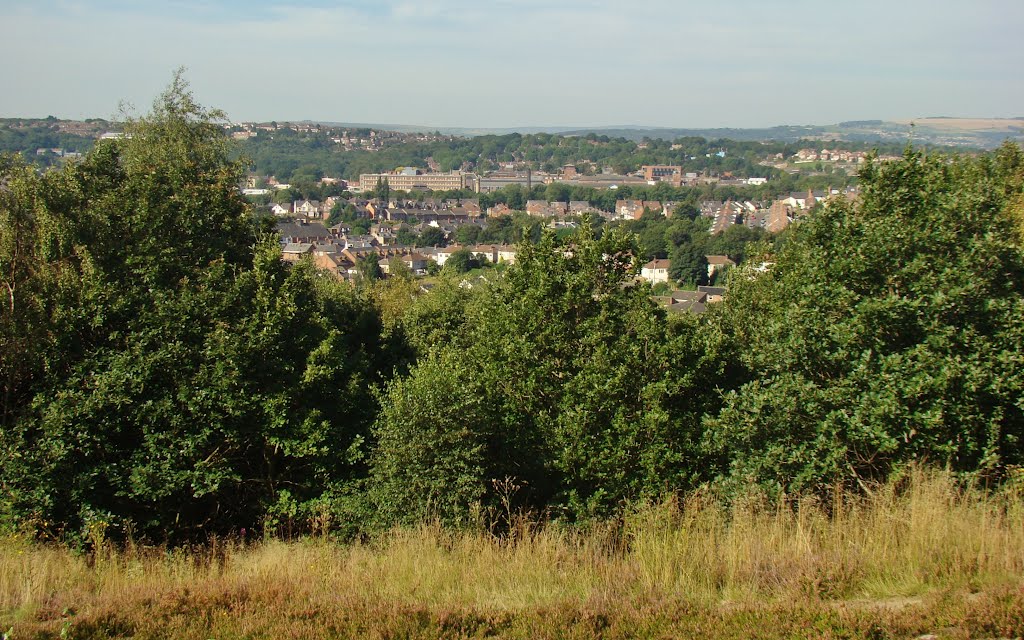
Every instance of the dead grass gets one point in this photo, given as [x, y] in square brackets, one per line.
[919, 556]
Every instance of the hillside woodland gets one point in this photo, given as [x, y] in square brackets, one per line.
[166, 377]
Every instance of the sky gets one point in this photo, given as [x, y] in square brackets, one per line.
[518, 63]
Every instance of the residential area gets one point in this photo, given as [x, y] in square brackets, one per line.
[419, 236]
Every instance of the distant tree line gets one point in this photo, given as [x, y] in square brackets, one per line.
[299, 157]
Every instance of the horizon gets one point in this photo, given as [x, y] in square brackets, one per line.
[578, 64]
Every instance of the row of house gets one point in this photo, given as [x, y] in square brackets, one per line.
[337, 252]
[773, 218]
[559, 209]
[634, 209]
[341, 259]
[830, 155]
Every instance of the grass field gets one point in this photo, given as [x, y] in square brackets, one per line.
[919, 556]
[969, 124]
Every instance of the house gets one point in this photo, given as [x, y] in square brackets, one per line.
[629, 209]
[536, 207]
[798, 200]
[580, 207]
[330, 202]
[336, 265]
[563, 224]
[729, 214]
[307, 208]
[280, 210]
[302, 231]
[505, 253]
[416, 262]
[327, 248]
[295, 251]
[717, 264]
[441, 254]
[499, 210]
[359, 243]
[487, 251]
[653, 206]
[715, 294]
[684, 301]
[655, 271]
[663, 173]
[382, 235]
[710, 208]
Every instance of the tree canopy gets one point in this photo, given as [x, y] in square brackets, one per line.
[167, 374]
[884, 331]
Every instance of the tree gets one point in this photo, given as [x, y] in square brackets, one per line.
[560, 389]
[467, 234]
[404, 236]
[883, 332]
[186, 382]
[432, 237]
[368, 269]
[382, 190]
[733, 241]
[30, 287]
[461, 261]
[689, 265]
[398, 269]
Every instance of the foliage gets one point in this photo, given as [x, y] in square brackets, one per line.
[368, 269]
[185, 379]
[166, 375]
[382, 191]
[461, 260]
[432, 237]
[566, 390]
[883, 332]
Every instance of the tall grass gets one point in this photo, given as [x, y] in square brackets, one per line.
[916, 548]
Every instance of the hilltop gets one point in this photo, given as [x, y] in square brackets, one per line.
[977, 133]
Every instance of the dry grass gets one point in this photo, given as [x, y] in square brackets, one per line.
[919, 556]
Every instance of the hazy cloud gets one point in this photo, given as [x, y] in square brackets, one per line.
[524, 62]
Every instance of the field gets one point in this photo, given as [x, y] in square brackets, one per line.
[919, 556]
[969, 124]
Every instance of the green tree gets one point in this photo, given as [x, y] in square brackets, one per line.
[405, 237]
[368, 269]
[689, 265]
[883, 332]
[733, 242]
[398, 269]
[185, 383]
[432, 237]
[561, 389]
[382, 190]
[467, 234]
[461, 261]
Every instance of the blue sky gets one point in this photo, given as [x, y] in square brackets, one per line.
[505, 63]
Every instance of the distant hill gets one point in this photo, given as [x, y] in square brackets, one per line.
[967, 133]
[977, 133]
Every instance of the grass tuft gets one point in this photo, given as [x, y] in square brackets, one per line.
[919, 555]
